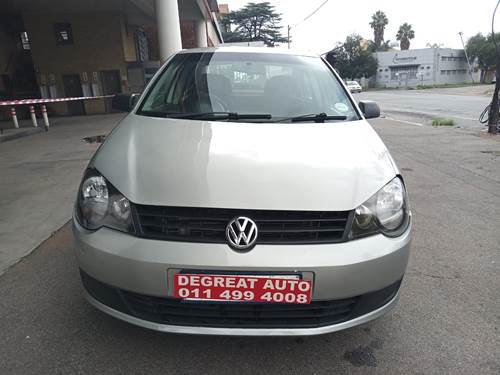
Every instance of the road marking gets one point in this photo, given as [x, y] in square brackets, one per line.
[404, 122]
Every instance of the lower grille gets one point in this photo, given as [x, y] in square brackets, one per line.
[172, 311]
[234, 315]
[191, 224]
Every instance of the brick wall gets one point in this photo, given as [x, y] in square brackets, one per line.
[98, 44]
[188, 34]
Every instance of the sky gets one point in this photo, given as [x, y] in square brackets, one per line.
[434, 21]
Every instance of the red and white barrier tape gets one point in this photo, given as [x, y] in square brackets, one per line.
[44, 101]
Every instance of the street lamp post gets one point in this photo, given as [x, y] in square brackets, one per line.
[466, 56]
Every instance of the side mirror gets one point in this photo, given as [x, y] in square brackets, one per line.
[369, 108]
[124, 102]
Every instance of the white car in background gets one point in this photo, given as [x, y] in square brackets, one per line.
[354, 86]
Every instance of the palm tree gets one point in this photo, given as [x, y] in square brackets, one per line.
[378, 24]
[405, 33]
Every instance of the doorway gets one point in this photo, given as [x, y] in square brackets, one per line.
[73, 88]
[111, 82]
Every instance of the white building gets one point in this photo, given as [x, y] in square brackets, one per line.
[426, 66]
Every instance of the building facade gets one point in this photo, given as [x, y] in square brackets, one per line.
[421, 67]
[65, 48]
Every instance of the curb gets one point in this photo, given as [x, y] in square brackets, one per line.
[20, 134]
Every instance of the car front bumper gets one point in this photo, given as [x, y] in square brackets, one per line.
[122, 266]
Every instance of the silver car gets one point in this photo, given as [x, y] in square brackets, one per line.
[244, 194]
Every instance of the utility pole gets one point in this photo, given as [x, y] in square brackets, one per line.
[494, 106]
[288, 37]
[466, 56]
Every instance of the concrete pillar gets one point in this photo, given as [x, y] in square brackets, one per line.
[169, 28]
[201, 33]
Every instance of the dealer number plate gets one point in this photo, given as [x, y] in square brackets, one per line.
[243, 288]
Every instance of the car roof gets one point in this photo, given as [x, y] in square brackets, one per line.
[243, 49]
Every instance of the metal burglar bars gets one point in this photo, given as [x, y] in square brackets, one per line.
[190, 224]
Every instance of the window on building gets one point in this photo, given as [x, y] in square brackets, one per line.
[386, 69]
[443, 72]
[63, 33]
[404, 72]
[428, 67]
[141, 45]
[25, 41]
[448, 72]
[381, 70]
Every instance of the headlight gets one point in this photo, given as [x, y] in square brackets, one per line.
[385, 212]
[100, 204]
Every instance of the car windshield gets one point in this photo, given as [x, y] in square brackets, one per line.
[250, 87]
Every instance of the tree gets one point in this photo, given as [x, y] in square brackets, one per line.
[481, 49]
[386, 45]
[378, 24]
[352, 60]
[405, 33]
[254, 22]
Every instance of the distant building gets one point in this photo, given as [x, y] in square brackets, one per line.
[223, 9]
[426, 66]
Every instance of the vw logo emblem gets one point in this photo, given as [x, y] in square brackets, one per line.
[241, 233]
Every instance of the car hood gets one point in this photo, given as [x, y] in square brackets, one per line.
[307, 166]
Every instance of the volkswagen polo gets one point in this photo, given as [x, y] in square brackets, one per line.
[244, 194]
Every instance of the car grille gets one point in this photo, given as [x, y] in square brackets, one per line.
[192, 224]
[234, 315]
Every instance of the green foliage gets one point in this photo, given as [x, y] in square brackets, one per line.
[447, 85]
[385, 46]
[404, 34]
[443, 122]
[352, 60]
[253, 22]
[378, 24]
[481, 47]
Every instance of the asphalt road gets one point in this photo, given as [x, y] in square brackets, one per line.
[463, 106]
[446, 323]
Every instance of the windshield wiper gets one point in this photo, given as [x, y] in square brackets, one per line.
[221, 116]
[156, 113]
[316, 117]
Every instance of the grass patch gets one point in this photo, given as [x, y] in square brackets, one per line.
[443, 122]
[449, 85]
